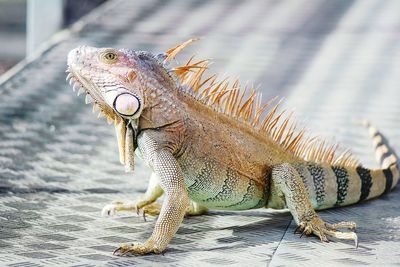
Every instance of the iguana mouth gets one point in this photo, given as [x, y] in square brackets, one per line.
[81, 86]
[125, 132]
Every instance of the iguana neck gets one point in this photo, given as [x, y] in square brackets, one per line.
[162, 107]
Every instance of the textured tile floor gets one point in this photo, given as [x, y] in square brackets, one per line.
[334, 61]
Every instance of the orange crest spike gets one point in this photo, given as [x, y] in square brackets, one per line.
[244, 104]
[173, 52]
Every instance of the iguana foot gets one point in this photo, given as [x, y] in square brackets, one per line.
[321, 229]
[136, 249]
[152, 209]
[148, 209]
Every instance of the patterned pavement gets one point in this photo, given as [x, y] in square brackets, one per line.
[334, 61]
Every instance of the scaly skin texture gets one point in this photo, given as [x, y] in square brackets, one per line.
[203, 159]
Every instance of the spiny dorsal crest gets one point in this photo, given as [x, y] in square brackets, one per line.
[244, 103]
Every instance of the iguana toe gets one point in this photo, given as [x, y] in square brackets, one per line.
[324, 230]
[109, 210]
[350, 225]
[136, 249]
[152, 209]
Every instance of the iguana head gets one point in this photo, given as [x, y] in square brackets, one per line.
[110, 78]
[115, 82]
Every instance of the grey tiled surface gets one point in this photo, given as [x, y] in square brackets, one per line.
[334, 61]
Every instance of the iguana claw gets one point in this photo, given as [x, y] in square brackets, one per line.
[136, 249]
[324, 230]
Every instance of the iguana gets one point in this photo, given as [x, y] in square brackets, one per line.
[213, 144]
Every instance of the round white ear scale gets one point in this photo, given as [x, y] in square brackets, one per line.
[127, 104]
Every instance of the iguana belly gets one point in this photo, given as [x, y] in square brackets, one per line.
[221, 187]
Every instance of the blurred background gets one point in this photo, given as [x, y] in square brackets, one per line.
[21, 24]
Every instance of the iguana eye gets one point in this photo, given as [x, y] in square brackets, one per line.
[109, 57]
[127, 104]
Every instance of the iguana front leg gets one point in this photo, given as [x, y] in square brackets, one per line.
[145, 202]
[287, 184]
[174, 205]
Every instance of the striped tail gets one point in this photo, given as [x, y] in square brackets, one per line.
[387, 158]
[333, 186]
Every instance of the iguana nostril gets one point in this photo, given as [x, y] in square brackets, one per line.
[126, 104]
